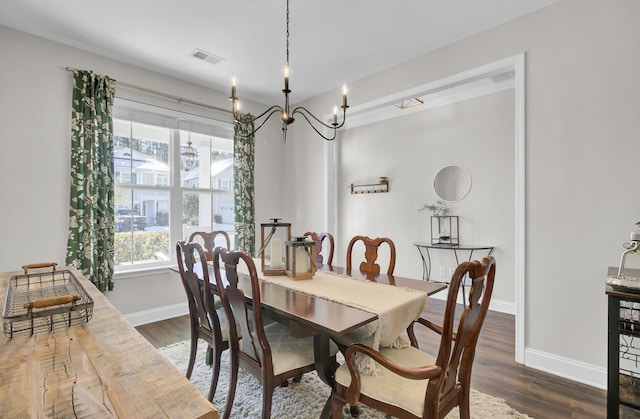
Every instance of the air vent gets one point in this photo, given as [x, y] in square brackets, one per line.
[206, 56]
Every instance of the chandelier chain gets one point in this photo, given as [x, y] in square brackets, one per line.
[287, 34]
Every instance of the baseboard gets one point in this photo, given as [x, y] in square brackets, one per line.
[567, 368]
[157, 314]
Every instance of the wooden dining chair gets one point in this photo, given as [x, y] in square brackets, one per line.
[411, 383]
[268, 352]
[318, 239]
[208, 238]
[207, 322]
[371, 254]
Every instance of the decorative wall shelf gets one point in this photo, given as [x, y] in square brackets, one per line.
[380, 187]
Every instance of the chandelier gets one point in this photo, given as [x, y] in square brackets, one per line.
[286, 115]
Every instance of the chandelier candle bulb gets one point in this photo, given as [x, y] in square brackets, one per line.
[335, 114]
[233, 88]
[344, 95]
[286, 78]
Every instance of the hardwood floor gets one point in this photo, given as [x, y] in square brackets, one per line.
[538, 394]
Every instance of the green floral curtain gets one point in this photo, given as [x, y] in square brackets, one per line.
[90, 240]
[243, 195]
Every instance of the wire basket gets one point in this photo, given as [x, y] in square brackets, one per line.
[44, 301]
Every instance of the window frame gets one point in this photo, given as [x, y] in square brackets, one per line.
[175, 121]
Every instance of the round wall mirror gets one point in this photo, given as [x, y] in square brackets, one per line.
[452, 183]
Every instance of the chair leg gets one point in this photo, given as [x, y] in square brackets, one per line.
[233, 380]
[337, 404]
[297, 378]
[267, 397]
[192, 355]
[465, 412]
[210, 353]
[215, 374]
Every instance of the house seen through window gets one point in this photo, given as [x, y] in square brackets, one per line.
[158, 199]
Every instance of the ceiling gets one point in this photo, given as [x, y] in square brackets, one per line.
[331, 41]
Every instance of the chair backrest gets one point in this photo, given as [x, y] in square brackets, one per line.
[255, 348]
[457, 349]
[194, 273]
[371, 254]
[318, 238]
[208, 240]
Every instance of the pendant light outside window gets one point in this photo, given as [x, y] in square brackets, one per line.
[189, 154]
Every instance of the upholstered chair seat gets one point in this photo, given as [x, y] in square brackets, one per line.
[389, 387]
[288, 354]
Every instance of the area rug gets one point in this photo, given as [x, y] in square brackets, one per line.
[299, 400]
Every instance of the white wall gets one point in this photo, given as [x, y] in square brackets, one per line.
[477, 134]
[582, 89]
[35, 127]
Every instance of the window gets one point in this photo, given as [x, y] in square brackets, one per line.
[159, 201]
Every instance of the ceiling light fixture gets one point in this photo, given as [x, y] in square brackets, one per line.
[410, 103]
[286, 116]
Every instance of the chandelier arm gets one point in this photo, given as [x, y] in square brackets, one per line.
[273, 109]
[314, 127]
[304, 111]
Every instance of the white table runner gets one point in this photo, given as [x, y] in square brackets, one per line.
[396, 307]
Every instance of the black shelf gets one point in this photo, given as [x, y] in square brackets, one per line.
[623, 358]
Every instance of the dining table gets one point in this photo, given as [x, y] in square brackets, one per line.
[100, 367]
[335, 304]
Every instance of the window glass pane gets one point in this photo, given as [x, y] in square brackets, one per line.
[141, 153]
[204, 211]
[141, 226]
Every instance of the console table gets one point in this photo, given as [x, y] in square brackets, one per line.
[623, 353]
[424, 248]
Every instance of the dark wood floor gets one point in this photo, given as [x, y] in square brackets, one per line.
[529, 391]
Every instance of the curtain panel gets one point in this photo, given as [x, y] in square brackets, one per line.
[91, 213]
[243, 186]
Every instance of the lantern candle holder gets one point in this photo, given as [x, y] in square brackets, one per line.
[300, 258]
[272, 251]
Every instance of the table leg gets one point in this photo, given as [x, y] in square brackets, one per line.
[324, 367]
[464, 297]
[426, 263]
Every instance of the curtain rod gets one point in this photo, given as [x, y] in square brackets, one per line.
[166, 95]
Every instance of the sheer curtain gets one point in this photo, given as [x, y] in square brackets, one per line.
[243, 187]
[91, 212]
